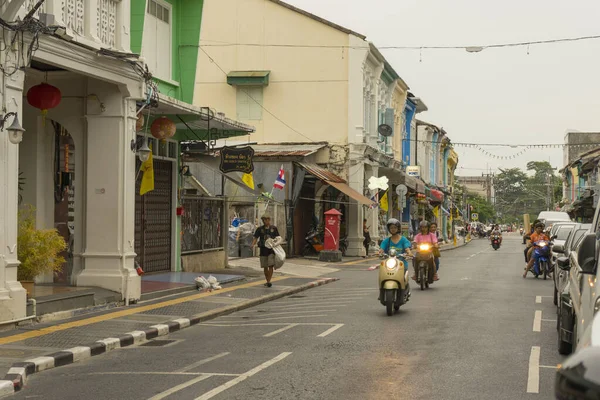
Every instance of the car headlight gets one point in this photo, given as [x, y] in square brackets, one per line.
[391, 263]
[424, 247]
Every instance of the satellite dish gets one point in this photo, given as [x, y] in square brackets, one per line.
[385, 130]
[401, 190]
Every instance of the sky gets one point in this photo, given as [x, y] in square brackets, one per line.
[510, 95]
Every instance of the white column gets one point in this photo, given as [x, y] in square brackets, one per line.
[91, 20]
[13, 298]
[110, 197]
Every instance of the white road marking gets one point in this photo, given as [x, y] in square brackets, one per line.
[537, 321]
[230, 324]
[548, 366]
[549, 320]
[330, 330]
[241, 378]
[276, 318]
[270, 314]
[533, 380]
[202, 362]
[162, 373]
[268, 310]
[177, 388]
[285, 328]
[312, 303]
[538, 299]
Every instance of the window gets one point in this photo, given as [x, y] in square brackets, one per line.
[157, 43]
[249, 102]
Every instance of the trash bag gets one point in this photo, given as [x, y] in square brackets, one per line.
[202, 283]
[214, 283]
[275, 244]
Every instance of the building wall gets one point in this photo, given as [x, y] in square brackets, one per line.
[308, 87]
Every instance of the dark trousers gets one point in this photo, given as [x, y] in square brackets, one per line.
[367, 243]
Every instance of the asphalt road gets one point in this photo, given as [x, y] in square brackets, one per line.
[473, 335]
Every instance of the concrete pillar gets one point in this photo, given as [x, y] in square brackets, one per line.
[356, 175]
[110, 195]
[13, 297]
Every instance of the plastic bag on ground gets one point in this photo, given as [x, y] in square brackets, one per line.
[202, 283]
[214, 283]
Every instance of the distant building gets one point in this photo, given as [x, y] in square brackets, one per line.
[481, 185]
[576, 144]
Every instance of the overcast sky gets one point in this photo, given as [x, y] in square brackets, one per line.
[498, 95]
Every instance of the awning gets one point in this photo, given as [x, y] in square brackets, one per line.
[397, 176]
[248, 78]
[332, 179]
[197, 123]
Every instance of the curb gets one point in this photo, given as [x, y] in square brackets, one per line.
[17, 375]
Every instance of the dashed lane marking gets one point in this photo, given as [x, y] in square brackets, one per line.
[285, 328]
[278, 318]
[533, 379]
[538, 299]
[278, 313]
[330, 330]
[537, 321]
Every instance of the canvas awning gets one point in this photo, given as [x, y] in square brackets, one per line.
[332, 179]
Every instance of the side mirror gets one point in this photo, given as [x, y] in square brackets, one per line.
[575, 379]
[586, 254]
[558, 248]
[563, 263]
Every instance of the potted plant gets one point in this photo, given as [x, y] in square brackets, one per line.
[38, 249]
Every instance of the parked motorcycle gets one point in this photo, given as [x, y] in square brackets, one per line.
[314, 243]
[394, 288]
[495, 242]
[425, 265]
[542, 250]
[344, 245]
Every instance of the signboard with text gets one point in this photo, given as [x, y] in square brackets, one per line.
[237, 159]
[414, 171]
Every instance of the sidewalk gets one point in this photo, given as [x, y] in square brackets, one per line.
[293, 266]
[34, 348]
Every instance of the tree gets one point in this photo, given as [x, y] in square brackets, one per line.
[482, 207]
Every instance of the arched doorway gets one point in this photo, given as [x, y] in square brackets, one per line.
[63, 162]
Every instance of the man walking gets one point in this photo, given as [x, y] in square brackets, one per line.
[267, 255]
[367, 236]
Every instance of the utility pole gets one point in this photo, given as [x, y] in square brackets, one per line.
[549, 191]
[488, 185]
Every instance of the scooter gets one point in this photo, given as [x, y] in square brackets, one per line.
[394, 288]
[495, 242]
[314, 243]
[426, 265]
[542, 250]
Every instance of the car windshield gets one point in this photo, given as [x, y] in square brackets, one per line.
[563, 232]
[576, 236]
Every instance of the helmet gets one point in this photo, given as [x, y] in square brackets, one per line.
[393, 221]
[424, 224]
[539, 225]
[265, 216]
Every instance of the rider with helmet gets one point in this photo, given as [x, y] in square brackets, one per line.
[537, 236]
[425, 236]
[396, 241]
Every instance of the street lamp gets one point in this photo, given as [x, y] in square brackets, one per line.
[15, 130]
[143, 152]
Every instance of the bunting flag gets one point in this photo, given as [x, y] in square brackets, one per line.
[248, 179]
[280, 181]
[375, 200]
[383, 203]
[436, 211]
[147, 168]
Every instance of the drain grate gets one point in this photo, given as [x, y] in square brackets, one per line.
[158, 343]
[296, 297]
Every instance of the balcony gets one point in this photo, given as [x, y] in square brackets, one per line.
[95, 23]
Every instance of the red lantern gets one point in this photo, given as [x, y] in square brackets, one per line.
[44, 97]
[163, 128]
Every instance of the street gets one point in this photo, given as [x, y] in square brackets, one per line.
[481, 332]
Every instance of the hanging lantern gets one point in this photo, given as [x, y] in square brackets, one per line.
[44, 97]
[163, 128]
[139, 124]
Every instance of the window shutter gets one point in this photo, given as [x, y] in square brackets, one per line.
[256, 102]
[242, 104]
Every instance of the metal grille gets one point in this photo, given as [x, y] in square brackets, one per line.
[201, 224]
[153, 213]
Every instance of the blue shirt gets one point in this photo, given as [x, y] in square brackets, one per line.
[400, 246]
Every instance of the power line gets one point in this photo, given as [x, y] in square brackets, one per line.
[470, 48]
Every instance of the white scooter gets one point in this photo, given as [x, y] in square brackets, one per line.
[394, 288]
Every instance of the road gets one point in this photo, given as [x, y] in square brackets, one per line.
[481, 332]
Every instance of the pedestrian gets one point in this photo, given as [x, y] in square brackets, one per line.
[367, 236]
[433, 229]
[267, 255]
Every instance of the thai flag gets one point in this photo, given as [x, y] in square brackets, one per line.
[280, 181]
[375, 200]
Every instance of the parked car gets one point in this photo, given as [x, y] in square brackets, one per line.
[578, 377]
[559, 250]
[579, 305]
[549, 218]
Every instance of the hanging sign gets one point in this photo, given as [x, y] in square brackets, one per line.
[237, 159]
[414, 171]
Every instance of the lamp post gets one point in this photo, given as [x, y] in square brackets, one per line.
[15, 130]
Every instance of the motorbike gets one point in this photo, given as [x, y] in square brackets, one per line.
[542, 250]
[344, 245]
[394, 288]
[495, 242]
[521, 231]
[314, 243]
[424, 260]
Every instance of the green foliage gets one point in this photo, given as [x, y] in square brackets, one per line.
[481, 206]
[38, 249]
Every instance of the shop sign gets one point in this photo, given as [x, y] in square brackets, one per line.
[414, 171]
[237, 159]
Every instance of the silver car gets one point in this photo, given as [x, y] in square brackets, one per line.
[564, 249]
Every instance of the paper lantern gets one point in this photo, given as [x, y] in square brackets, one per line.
[163, 128]
[139, 124]
[44, 97]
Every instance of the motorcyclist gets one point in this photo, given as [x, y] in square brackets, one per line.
[537, 236]
[396, 241]
[433, 229]
[497, 231]
[425, 236]
[528, 248]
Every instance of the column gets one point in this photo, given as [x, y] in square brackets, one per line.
[108, 256]
[13, 298]
[355, 216]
